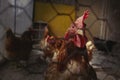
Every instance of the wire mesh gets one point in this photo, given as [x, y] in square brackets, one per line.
[78, 5]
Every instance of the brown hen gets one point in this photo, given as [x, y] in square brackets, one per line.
[18, 48]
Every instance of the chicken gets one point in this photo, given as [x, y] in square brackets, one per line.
[67, 63]
[50, 45]
[104, 45]
[18, 48]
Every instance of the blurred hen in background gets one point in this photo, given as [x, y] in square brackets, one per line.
[104, 45]
[18, 48]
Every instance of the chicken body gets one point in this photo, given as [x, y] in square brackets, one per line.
[68, 63]
[104, 45]
[17, 48]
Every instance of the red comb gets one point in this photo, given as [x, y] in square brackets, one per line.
[79, 22]
[85, 15]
